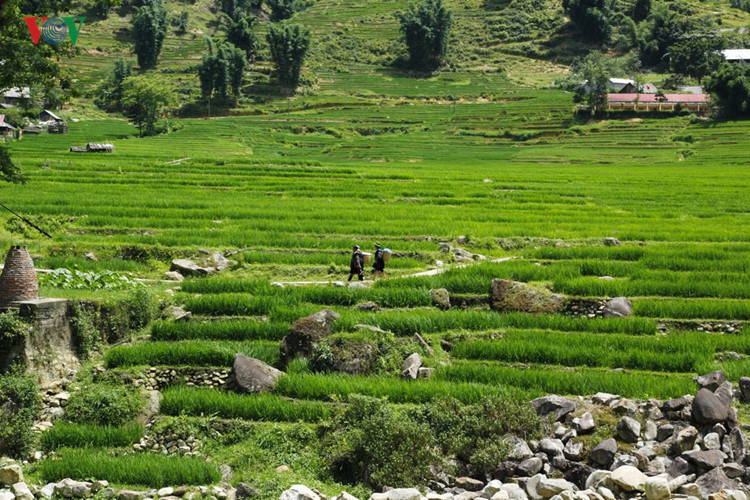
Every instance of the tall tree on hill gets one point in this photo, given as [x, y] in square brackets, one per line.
[110, 94]
[696, 56]
[591, 18]
[149, 30]
[240, 32]
[641, 10]
[221, 68]
[281, 9]
[289, 45]
[145, 100]
[731, 88]
[23, 62]
[426, 28]
[595, 70]
[664, 28]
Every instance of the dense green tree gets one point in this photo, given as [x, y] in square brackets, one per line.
[110, 93]
[696, 56]
[182, 27]
[145, 100]
[289, 45]
[230, 6]
[591, 18]
[281, 9]
[596, 71]
[24, 62]
[641, 10]
[241, 34]
[149, 30]
[664, 28]
[426, 29]
[730, 86]
[222, 68]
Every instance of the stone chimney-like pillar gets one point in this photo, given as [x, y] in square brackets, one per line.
[18, 281]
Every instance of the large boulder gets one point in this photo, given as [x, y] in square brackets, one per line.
[617, 307]
[604, 452]
[711, 381]
[410, 368]
[299, 492]
[629, 429]
[657, 488]
[707, 409]
[514, 296]
[745, 388]
[714, 481]
[554, 405]
[549, 487]
[253, 375]
[187, 267]
[629, 478]
[11, 474]
[706, 460]
[305, 332]
[441, 298]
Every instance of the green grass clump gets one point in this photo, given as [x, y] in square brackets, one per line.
[144, 469]
[190, 352]
[579, 381]
[397, 390]
[583, 349]
[692, 309]
[218, 330]
[429, 321]
[196, 402]
[234, 304]
[104, 404]
[69, 435]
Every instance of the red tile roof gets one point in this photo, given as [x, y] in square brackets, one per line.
[668, 98]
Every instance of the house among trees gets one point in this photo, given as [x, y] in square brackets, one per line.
[15, 96]
[49, 116]
[737, 56]
[625, 86]
[696, 103]
[6, 129]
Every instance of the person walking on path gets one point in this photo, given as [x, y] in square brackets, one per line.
[378, 265]
[356, 265]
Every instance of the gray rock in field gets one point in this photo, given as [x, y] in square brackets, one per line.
[584, 424]
[302, 492]
[441, 298]
[404, 494]
[11, 474]
[629, 478]
[733, 470]
[530, 467]
[514, 296]
[410, 368]
[711, 381]
[712, 441]
[553, 405]
[22, 491]
[514, 491]
[651, 431]
[6, 495]
[725, 393]
[604, 398]
[305, 333]
[676, 404]
[706, 460]
[629, 429]
[707, 409]
[657, 488]
[221, 263]
[47, 491]
[664, 432]
[685, 440]
[174, 276]
[176, 313]
[604, 452]
[129, 495]
[469, 483]
[618, 307]
[745, 388]
[552, 447]
[521, 450]
[624, 406]
[611, 241]
[714, 481]
[549, 487]
[153, 404]
[253, 375]
[573, 450]
[187, 267]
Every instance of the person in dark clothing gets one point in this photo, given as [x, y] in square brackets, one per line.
[378, 265]
[356, 265]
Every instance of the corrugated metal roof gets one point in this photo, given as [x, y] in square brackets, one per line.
[670, 98]
[736, 54]
[17, 92]
[53, 115]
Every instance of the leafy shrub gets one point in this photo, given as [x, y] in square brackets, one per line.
[104, 405]
[370, 441]
[12, 327]
[142, 308]
[85, 331]
[19, 404]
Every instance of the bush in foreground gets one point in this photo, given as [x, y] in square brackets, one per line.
[104, 405]
[19, 404]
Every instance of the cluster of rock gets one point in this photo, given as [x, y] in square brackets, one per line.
[413, 369]
[515, 296]
[459, 254]
[214, 263]
[53, 402]
[159, 378]
[690, 447]
[13, 487]
[169, 444]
